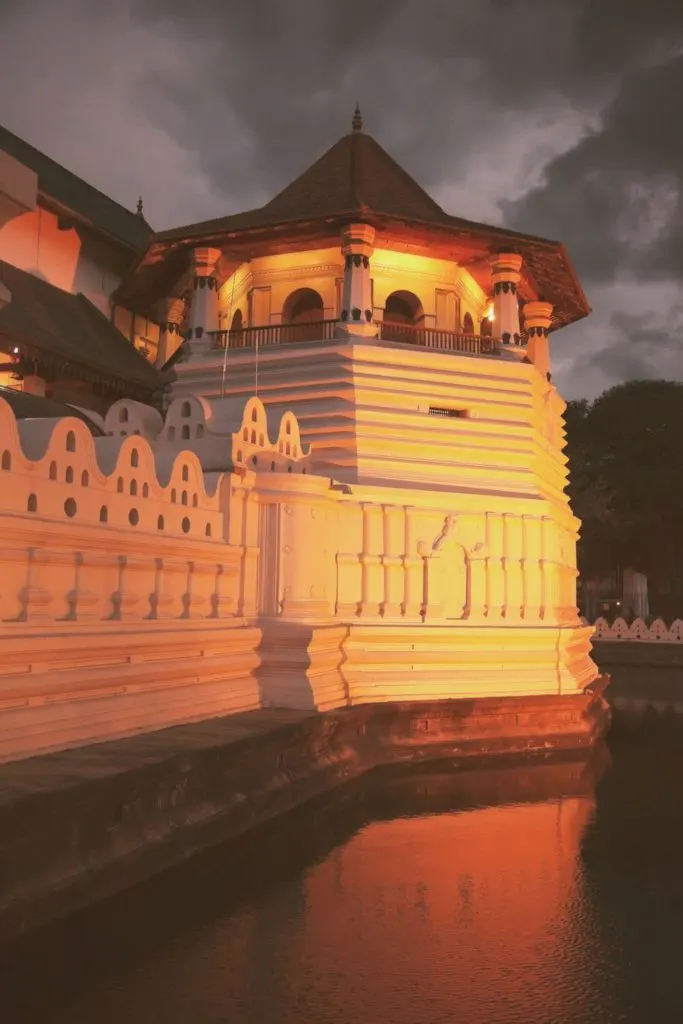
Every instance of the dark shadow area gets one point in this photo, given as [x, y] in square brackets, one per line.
[44, 972]
[632, 857]
[285, 659]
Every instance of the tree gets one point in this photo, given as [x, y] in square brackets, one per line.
[626, 479]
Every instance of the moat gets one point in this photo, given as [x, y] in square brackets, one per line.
[510, 893]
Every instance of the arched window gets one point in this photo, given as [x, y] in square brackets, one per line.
[467, 324]
[303, 310]
[403, 315]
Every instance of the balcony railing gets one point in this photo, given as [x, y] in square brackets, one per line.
[275, 334]
[443, 341]
[324, 330]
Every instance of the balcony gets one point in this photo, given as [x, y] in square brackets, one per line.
[324, 330]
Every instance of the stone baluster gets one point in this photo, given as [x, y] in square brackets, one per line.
[505, 275]
[372, 594]
[204, 303]
[512, 532]
[497, 592]
[478, 593]
[393, 562]
[537, 318]
[356, 312]
[413, 569]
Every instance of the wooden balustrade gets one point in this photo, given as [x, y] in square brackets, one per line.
[275, 334]
[440, 340]
[324, 330]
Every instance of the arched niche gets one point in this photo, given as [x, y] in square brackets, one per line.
[486, 328]
[403, 313]
[303, 310]
[467, 324]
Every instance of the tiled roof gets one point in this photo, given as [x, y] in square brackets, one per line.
[33, 407]
[84, 201]
[356, 178]
[356, 175]
[67, 330]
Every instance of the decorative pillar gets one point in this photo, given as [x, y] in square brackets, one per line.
[413, 569]
[204, 302]
[356, 308]
[372, 585]
[478, 591]
[537, 317]
[505, 274]
[170, 338]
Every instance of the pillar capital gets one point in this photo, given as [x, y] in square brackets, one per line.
[173, 311]
[505, 270]
[537, 317]
[204, 260]
[358, 239]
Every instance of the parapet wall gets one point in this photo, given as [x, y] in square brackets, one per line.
[180, 569]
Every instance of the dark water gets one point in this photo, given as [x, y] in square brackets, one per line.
[544, 894]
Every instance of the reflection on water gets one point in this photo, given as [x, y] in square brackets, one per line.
[513, 894]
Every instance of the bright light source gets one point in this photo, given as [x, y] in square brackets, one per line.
[15, 351]
[490, 315]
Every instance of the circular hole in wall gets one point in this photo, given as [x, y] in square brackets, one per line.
[185, 525]
[70, 507]
[133, 517]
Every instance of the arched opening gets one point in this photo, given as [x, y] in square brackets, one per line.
[486, 328]
[237, 322]
[467, 324]
[303, 310]
[403, 316]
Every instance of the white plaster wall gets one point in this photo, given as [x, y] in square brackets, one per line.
[207, 591]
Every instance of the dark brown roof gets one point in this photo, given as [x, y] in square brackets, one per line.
[33, 407]
[67, 331]
[356, 178]
[75, 195]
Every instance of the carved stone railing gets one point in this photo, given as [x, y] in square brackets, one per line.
[656, 632]
[324, 330]
[275, 334]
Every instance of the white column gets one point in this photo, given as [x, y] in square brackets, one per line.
[204, 303]
[505, 275]
[537, 317]
[356, 310]
[170, 338]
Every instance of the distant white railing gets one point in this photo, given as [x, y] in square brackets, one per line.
[656, 632]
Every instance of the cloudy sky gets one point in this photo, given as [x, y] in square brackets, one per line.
[557, 117]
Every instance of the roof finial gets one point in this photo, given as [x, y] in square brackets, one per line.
[139, 210]
[357, 123]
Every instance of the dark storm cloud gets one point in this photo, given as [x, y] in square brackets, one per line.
[555, 116]
[624, 181]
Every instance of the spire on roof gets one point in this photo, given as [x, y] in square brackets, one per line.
[139, 209]
[357, 123]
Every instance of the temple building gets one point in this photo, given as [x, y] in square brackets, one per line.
[351, 491]
[64, 249]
